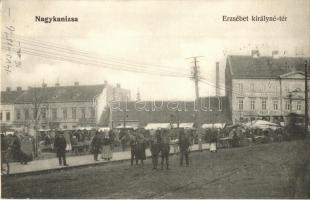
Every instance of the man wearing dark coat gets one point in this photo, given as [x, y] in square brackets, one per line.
[165, 149]
[155, 149]
[184, 147]
[96, 145]
[133, 147]
[60, 147]
[140, 149]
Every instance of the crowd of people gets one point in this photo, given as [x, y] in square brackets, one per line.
[102, 142]
[21, 147]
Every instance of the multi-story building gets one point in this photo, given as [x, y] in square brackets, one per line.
[264, 87]
[64, 107]
[7, 106]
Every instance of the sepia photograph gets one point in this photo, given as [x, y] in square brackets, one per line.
[158, 99]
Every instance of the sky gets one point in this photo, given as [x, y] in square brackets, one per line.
[161, 35]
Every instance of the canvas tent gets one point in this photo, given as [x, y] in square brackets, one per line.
[261, 124]
[216, 125]
[156, 126]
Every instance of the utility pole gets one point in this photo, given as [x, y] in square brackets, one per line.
[125, 111]
[306, 97]
[195, 76]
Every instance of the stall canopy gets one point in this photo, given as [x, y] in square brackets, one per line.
[261, 124]
[184, 125]
[103, 129]
[127, 126]
[88, 128]
[216, 125]
[155, 126]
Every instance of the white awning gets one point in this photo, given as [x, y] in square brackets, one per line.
[184, 125]
[104, 129]
[155, 126]
[88, 128]
[127, 126]
[216, 125]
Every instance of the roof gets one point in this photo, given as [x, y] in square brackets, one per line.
[61, 94]
[263, 66]
[9, 97]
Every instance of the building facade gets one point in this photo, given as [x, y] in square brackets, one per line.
[63, 107]
[7, 109]
[265, 87]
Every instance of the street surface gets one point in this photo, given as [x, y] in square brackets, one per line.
[261, 171]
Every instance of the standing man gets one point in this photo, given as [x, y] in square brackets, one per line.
[60, 147]
[155, 149]
[165, 148]
[133, 146]
[199, 137]
[184, 147]
[96, 145]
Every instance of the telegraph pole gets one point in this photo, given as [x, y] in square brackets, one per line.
[306, 97]
[195, 76]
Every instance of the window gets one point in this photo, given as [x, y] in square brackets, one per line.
[18, 114]
[287, 105]
[83, 113]
[73, 113]
[240, 104]
[8, 116]
[43, 113]
[0, 116]
[220, 105]
[252, 87]
[264, 104]
[92, 112]
[275, 105]
[298, 105]
[54, 113]
[240, 87]
[26, 113]
[64, 113]
[252, 104]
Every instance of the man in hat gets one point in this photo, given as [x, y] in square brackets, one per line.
[155, 148]
[184, 147]
[165, 148]
[60, 147]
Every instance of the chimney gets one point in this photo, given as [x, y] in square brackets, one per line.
[217, 79]
[8, 89]
[44, 85]
[76, 83]
[105, 82]
[57, 84]
[275, 54]
[255, 53]
[118, 85]
[19, 89]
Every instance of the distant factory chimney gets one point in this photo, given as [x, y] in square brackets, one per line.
[217, 79]
[8, 89]
[76, 83]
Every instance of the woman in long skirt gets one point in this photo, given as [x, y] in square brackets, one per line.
[106, 147]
